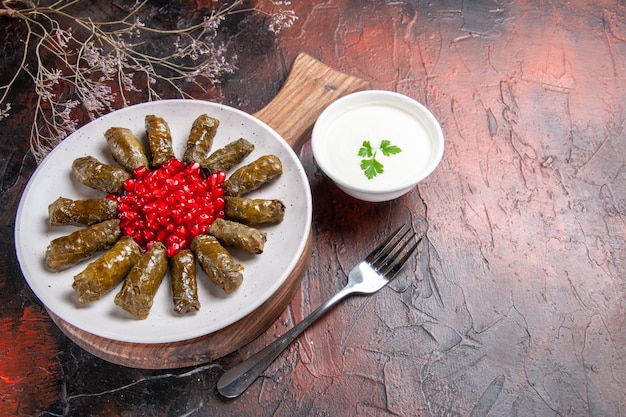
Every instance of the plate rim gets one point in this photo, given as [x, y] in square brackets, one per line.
[139, 107]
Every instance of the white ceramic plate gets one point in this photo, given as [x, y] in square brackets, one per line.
[263, 273]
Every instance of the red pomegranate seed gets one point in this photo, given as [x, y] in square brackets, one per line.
[140, 172]
[171, 204]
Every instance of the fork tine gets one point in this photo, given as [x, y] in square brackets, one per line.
[391, 269]
[384, 257]
[393, 251]
[385, 247]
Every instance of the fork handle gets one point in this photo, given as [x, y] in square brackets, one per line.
[235, 381]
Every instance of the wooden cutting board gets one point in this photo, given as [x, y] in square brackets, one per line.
[309, 88]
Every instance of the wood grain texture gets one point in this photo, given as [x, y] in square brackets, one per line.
[310, 87]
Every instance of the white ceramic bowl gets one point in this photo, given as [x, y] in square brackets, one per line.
[377, 116]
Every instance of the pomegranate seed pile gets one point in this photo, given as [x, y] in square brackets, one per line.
[171, 204]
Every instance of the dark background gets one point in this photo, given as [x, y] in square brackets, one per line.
[515, 305]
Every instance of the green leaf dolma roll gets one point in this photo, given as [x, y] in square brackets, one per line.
[238, 235]
[101, 275]
[252, 176]
[184, 282]
[99, 176]
[223, 159]
[126, 148]
[64, 211]
[143, 281]
[253, 211]
[200, 139]
[217, 263]
[66, 251]
[159, 139]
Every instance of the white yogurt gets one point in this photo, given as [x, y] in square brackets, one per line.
[375, 116]
[374, 123]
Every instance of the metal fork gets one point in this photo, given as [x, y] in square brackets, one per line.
[367, 277]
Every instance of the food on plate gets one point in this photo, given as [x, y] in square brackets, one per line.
[184, 282]
[65, 211]
[170, 204]
[226, 157]
[99, 176]
[167, 214]
[217, 263]
[200, 139]
[143, 281]
[237, 235]
[252, 176]
[126, 148]
[104, 273]
[68, 250]
[254, 211]
[159, 140]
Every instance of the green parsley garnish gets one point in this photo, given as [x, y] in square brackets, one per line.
[370, 166]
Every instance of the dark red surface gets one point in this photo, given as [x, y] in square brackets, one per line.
[515, 305]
